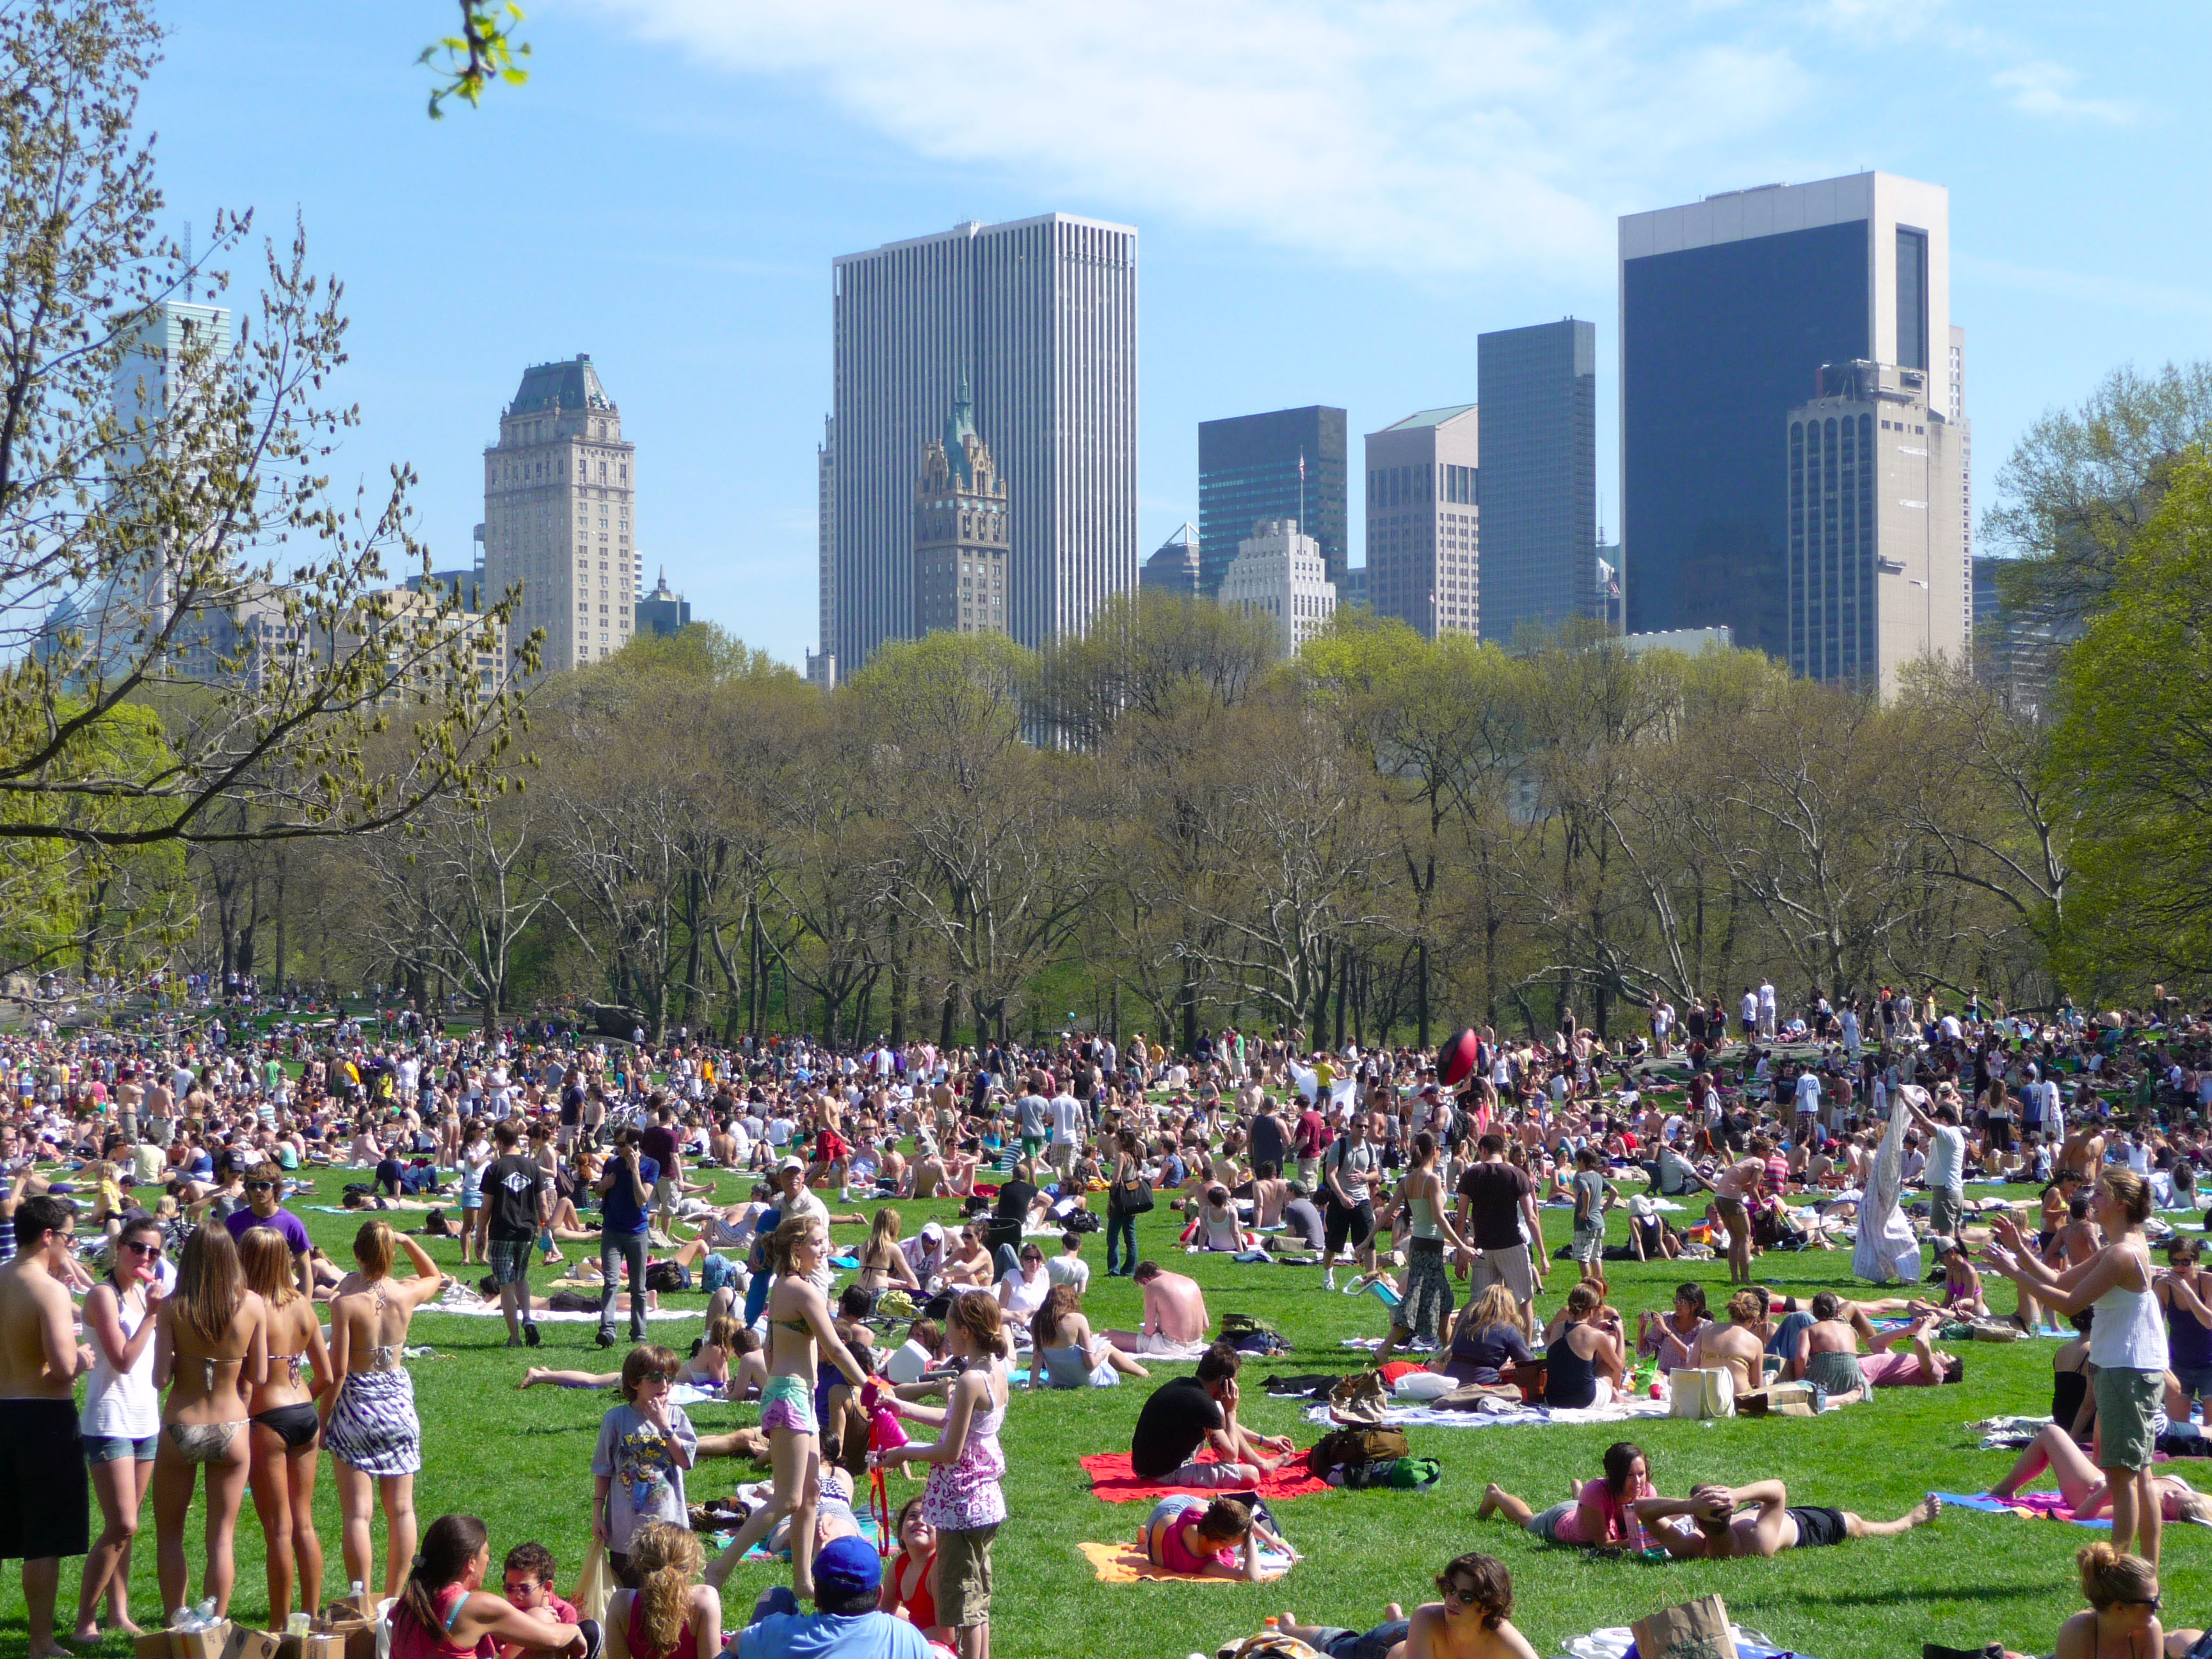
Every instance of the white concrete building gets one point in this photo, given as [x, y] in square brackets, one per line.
[1040, 316]
[1878, 571]
[1280, 572]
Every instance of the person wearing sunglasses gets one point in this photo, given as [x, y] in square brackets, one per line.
[264, 1189]
[2122, 1617]
[122, 1417]
[1474, 1621]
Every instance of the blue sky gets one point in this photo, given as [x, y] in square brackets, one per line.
[1333, 202]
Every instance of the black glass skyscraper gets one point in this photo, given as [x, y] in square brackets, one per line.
[1538, 513]
[1728, 307]
[1247, 470]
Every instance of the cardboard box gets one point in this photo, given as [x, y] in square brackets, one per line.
[246, 1643]
[321, 1644]
[207, 1643]
[150, 1644]
[358, 1636]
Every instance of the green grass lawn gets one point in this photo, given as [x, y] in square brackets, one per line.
[522, 1462]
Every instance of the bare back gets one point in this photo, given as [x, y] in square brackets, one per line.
[210, 1377]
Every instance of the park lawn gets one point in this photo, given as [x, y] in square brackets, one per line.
[522, 1462]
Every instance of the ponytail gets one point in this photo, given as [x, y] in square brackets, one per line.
[665, 1557]
[448, 1546]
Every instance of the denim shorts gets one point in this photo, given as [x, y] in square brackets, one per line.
[2196, 1382]
[114, 1448]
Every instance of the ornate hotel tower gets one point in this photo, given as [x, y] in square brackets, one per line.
[960, 539]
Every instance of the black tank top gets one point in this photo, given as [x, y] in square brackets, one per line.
[1569, 1379]
[2068, 1390]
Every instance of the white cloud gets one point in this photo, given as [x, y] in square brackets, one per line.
[2042, 87]
[1416, 134]
[1419, 135]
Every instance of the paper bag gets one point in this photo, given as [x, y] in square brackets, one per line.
[362, 1606]
[1695, 1629]
[1777, 1399]
[247, 1643]
[594, 1585]
[1703, 1392]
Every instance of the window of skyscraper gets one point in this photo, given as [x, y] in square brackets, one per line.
[1911, 298]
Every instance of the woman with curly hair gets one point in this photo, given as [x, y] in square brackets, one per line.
[669, 1615]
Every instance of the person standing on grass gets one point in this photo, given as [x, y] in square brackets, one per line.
[1121, 1224]
[646, 1443]
[1425, 1313]
[264, 1191]
[1348, 1217]
[1498, 1212]
[962, 1499]
[519, 1192]
[122, 1418]
[287, 1429]
[2127, 1343]
[625, 1188]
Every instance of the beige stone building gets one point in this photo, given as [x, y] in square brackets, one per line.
[960, 531]
[560, 514]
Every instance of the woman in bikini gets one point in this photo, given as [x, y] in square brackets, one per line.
[286, 1427]
[882, 1264]
[798, 1322]
[210, 1345]
[369, 1425]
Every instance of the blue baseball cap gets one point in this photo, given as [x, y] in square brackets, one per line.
[847, 1565]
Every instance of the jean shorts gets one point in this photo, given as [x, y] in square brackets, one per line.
[2196, 1382]
[114, 1448]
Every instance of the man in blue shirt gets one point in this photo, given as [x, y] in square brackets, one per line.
[625, 1189]
[847, 1581]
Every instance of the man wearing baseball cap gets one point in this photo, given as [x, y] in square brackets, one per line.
[847, 1581]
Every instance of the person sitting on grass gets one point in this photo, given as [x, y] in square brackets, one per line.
[1474, 1621]
[1582, 1361]
[1175, 1313]
[2083, 1484]
[1066, 1355]
[1218, 1539]
[909, 1589]
[526, 1581]
[669, 1615]
[443, 1609]
[2122, 1617]
[1671, 1337]
[1740, 1346]
[848, 1579]
[1186, 1415]
[1704, 1526]
[1962, 1287]
[1603, 1513]
[1491, 1333]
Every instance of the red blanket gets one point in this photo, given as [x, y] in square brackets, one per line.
[1115, 1481]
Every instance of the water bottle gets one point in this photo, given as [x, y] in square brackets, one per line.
[356, 1589]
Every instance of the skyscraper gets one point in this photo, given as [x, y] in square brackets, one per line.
[1288, 464]
[960, 527]
[664, 611]
[821, 665]
[1878, 575]
[1040, 315]
[560, 491]
[1173, 566]
[1538, 392]
[1422, 537]
[1728, 307]
[1279, 573]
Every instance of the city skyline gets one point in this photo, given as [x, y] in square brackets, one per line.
[724, 175]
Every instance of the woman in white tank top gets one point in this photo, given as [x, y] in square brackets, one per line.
[121, 1419]
[2126, 1345]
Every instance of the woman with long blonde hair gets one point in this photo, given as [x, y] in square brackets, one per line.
[369, 1424]
[882, 1264]
[669, 1615]
[1491, 1333]
[210, 1348]
[287, 1430]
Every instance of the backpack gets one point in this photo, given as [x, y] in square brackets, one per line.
[1345, 1446]
[666, 1276]
[716, 1271]
[1397, 1473]
[1082, 1221]
[1235, 1325]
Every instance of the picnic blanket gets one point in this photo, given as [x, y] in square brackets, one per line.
[1512, 1417]
[1115, 1481]
[2029, 1505]
[475, 1307]
[1125, 1564]
[1616, 1642]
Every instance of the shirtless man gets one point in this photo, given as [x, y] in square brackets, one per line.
[43, 1511]
[1739, 1345]
[1836, 1329]
[1715, 1532]
[2084, 1151]
[1175, 1312]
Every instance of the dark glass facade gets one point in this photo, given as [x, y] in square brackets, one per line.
[1832, 549]
[1248, 469]
[1538, 390]
[1719, 344]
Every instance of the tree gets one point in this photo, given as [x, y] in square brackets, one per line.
[183, 549]
[2135, 745]
[2081, 484]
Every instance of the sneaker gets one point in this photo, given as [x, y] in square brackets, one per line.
[1329, 1280]
[605, 1339]
[530, 1332]
[514, 1341]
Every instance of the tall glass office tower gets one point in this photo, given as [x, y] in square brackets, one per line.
[1040, 315]
[1538, 390]
[1728, 308]
[1286, 464]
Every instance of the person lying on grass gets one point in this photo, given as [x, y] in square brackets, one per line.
[2122, 1617]
[1704, 1526]
[709, 1368]
[1218, 1539]
[1601, 1513]
[1474, 1621]
[2083, 1486]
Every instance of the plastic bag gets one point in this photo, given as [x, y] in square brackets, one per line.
[594, 1585]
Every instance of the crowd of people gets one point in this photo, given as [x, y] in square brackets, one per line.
[146, 1172]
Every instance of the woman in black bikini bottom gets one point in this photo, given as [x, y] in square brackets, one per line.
[286, 1428]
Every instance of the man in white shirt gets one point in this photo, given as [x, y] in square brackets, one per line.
[1069, 1124]
[1947, 1165]
[1766, 1008]
[1069, 1267]
[1808, 1102]
[1748, 1014]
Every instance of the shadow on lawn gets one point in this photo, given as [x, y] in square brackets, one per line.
[1948, 1593]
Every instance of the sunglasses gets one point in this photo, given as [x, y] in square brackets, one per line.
[2154, 1602]
[1462, 1596]
[260, 1186]
[140, 1247]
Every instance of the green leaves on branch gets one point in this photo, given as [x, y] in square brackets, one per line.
[483, 51]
